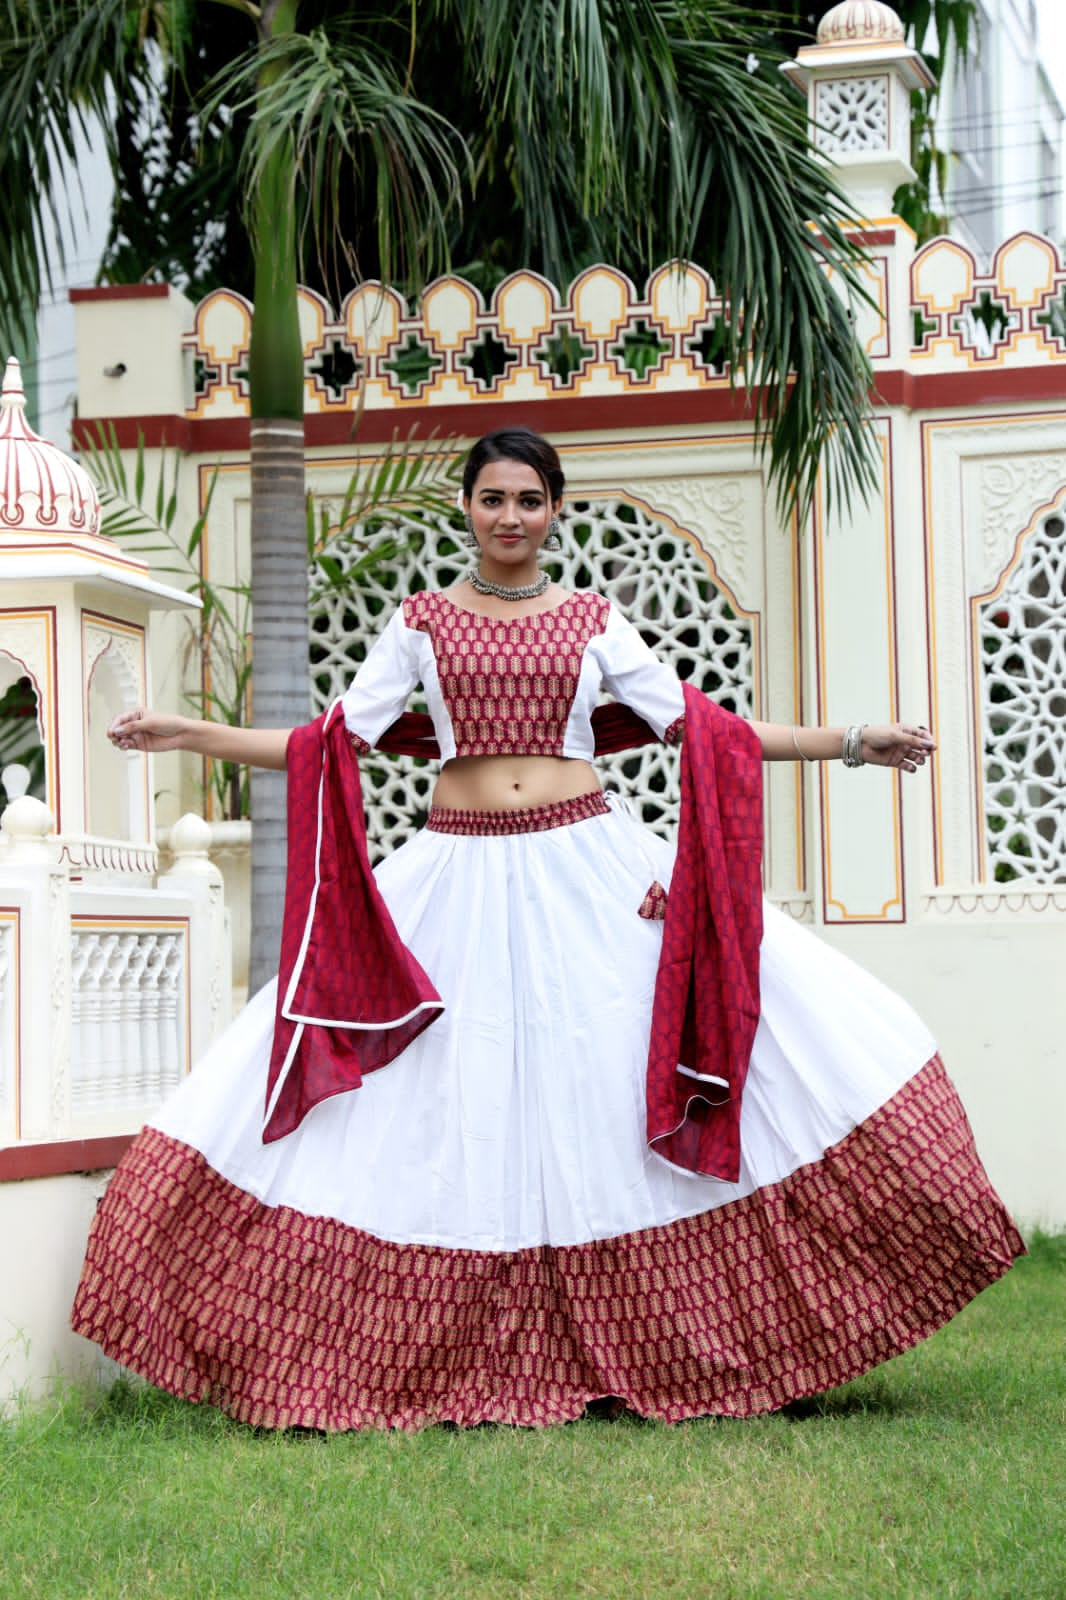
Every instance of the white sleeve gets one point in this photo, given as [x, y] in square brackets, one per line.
[634, 675]
[380, 689]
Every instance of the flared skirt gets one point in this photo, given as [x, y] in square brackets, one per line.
[480, 1232]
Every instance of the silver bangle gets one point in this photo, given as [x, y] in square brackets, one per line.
[799, 750]
[851, 745]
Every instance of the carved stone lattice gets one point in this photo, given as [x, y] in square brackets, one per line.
[1023, 704]
[851, 114]
[657, 577]
[127, 1040]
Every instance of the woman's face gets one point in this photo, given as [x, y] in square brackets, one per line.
[511, 511]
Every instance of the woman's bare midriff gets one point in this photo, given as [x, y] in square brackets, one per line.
[505, 783]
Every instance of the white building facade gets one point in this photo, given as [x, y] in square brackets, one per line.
[1000, 122]
[942, 599]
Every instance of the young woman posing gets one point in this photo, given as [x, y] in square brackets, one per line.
[641, 1136]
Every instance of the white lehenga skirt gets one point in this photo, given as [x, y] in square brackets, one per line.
[480, 1232]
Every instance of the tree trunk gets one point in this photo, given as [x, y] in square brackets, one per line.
[280, 673]
[280, 686]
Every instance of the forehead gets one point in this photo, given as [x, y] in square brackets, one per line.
[510, 477]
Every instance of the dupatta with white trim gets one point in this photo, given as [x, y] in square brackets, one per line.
[351, 996]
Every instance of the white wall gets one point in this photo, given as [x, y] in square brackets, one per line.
[43, 1227]
[1000, 120]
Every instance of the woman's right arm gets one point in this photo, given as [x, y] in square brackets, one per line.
[374, 699]
[140, 729]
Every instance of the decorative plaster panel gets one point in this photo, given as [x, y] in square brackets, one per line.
[725, 515]
[28, 638]
[1013, 490]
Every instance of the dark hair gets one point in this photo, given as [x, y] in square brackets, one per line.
[516, 444]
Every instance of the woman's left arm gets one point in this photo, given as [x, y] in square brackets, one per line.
[895, 744]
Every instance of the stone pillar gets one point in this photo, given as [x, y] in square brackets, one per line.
[867, 592]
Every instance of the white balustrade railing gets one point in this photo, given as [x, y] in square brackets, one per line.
[128, 1037]
[108, 992]
[7, 1013]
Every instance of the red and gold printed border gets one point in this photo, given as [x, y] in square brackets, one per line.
[285, 1320]
[526, 819]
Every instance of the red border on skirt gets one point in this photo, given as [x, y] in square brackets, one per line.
[524, 819]
[283, 1319]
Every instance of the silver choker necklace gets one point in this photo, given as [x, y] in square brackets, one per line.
[523, 591]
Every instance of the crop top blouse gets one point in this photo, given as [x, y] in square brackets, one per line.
[502, 686]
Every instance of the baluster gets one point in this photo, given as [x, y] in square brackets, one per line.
[151, 1045]
[132, 1044]
[80, 1067]
[112, 1067]
[92, 1018]
[171, 984]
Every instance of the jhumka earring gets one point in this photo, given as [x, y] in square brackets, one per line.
[471, 536]
[554, 540]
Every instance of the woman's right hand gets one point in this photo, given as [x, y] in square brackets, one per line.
[142, 729]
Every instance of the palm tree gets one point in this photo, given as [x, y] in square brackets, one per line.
[626, 130]
[66, 64]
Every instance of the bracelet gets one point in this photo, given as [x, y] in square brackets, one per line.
[851, 745]
[799, 750]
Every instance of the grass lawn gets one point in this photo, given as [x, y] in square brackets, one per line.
[942, 1474]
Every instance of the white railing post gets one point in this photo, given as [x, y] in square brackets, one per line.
[193, 874]
[37, 881]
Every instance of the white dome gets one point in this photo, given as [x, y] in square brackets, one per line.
[861, 22]
[42, 489]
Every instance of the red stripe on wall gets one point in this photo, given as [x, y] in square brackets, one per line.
[936, 391]
[572, 414]
[121, 291]
[66, 1155]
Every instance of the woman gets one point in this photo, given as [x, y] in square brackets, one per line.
[549, 1187]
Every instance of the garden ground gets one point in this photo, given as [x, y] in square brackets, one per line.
[940, 1475]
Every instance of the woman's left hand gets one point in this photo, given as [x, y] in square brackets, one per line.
[899, 744]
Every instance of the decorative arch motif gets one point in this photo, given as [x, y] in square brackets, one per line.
[21, 731]
[1022, 641]
[659, 577]
[601, 336]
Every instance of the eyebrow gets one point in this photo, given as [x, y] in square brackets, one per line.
[491, 488]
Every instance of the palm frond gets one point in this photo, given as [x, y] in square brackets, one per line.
[356, 132]
[413, 475]
[60, 61]
[641, 115]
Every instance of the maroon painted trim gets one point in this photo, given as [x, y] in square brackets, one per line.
[20, 1161]
[871, 238]
[570, 413]
[120, 291]
[565, 414]
[154, 431]
[936, 391]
